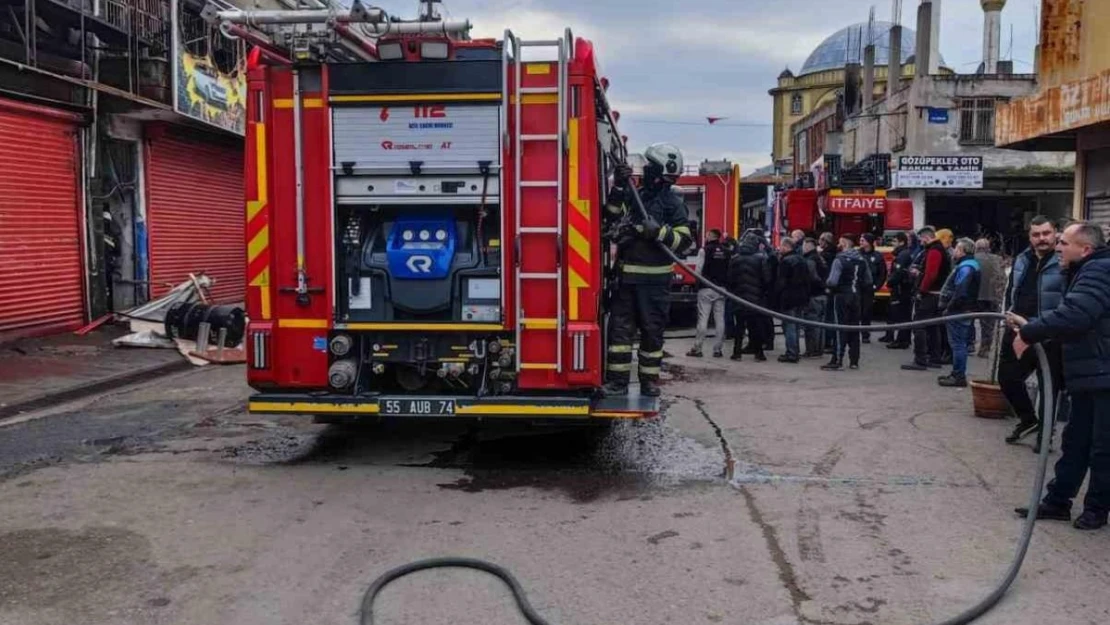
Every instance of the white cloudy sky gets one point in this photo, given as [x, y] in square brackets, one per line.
[673, 63]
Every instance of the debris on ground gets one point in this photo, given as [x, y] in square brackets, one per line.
[149, 327]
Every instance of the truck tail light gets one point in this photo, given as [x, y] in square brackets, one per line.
[260, 350]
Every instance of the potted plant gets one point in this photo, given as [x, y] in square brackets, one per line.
[986, 395]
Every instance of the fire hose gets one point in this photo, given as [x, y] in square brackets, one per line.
[969, 615]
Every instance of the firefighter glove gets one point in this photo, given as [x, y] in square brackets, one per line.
[649, 229]
[621, 174]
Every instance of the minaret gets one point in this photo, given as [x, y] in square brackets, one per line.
[992, 34]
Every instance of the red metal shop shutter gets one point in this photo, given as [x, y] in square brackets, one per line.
[195, 211]
[41, 268]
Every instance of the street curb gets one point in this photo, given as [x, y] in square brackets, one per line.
[91, 388]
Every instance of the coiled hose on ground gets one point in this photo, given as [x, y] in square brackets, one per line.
[969, 615]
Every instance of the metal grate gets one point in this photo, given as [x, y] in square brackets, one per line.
[146, 20]
[977, 121]
[202, 40]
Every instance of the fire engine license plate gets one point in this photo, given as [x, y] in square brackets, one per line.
[407, 407]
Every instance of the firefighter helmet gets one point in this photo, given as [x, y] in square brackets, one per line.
[667, 157]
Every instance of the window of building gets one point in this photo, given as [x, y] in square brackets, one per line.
[796, 104]
[977, 121]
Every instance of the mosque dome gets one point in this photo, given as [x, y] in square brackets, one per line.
[834, 52]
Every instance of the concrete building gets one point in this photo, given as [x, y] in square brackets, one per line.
[1070, 109]
[821, 80]
[939, 131]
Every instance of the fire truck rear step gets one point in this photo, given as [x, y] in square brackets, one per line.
[632, 406]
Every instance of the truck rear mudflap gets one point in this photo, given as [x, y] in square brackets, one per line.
[632, 406]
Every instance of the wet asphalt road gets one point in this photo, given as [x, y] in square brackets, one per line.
[166, 503]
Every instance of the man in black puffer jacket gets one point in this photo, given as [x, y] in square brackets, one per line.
[792, 284]
[1081, 323]
[818, 298]
[749, 277]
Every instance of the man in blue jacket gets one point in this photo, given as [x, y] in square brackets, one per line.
[1081, 323]
[1035, 288]
[960, 295]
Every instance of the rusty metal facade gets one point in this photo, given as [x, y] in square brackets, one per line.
[1073, 71]
[41, 269]
[195, 212]
[1061, 42]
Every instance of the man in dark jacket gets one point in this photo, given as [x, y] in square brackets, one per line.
[960, 295]
[818, 298]
[930, 271]
[749, 277]
[827, 248]
[1081, 323]
[1036, 288]
[713, 264]
[900, 284]
[641, 298]
[772, 256]
[848, 277]
[877, 264]
[773, 267]
[792, 285]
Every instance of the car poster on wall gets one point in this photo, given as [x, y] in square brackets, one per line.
[205, 89]
[939, 172]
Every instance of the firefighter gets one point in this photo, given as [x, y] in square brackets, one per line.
[640, 299]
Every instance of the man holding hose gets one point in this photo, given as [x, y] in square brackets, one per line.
[1081, 323]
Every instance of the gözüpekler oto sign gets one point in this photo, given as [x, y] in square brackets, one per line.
[940, 172]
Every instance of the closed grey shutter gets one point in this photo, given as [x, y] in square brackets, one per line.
[1098, 210]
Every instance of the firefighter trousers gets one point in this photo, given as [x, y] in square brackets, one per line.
[643, 307]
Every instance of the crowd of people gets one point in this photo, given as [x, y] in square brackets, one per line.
[1056, 294]
[835, 279]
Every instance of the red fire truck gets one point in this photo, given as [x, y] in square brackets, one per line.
[424, 221]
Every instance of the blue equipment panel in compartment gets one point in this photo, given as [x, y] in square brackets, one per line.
[421, 249]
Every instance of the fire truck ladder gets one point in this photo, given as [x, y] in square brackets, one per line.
[540, 85]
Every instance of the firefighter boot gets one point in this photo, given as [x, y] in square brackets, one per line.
[613, 388]
[649, 386]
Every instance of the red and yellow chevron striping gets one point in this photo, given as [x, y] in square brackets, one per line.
[578, 222]
[258, 225]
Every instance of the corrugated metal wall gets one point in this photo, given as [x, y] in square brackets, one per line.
[195, 212]
[41, 260]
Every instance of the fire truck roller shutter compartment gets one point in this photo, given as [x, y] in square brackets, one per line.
[40, 225]
[418, 195]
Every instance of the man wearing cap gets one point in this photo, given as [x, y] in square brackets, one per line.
[877, 264]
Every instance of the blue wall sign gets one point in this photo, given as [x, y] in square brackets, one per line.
[938, 116]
